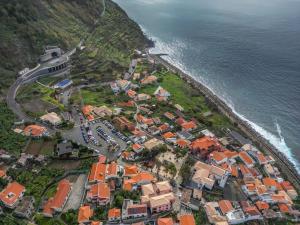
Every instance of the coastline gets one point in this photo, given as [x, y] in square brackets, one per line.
[284, 164]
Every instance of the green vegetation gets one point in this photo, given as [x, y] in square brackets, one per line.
[36, 91]
[41, 220]
[34, 183]
[9, 140]
[200, 217]
[123, 194]
[185, 171]
[70, 217]
[10, 220]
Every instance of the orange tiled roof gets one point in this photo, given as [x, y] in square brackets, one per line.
[101, 159]
[225, 206]
[84, 214]
[244, 170]
[182, 143]
[230, 154]
[187, 220]
[163, 127]
[11, 194]
[246, 158]
[204, 143]
[112, 169]
[234, 171]
[57, 202]
[97, 172]
[34, 130]
[284, 208]
[131, 93]
[127, 184]
[262, 205]
[217, 156]
[143, 176]
[169, 115]
[114, 213]
[136, 146]
[180, 121]
[87, 109]
[168, 135]
[130, 170]
[99, 190]
[2, 173]
[165, 221]
[189, 125]
[286, 185]
[96, 223]
[261, 158]
[269, 182]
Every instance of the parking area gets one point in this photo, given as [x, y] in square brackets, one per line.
[99, 135]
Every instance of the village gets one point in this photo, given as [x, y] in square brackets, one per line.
[151, 158]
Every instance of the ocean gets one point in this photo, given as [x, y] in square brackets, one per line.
[247, 52]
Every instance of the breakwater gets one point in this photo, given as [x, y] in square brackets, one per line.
[287, 168]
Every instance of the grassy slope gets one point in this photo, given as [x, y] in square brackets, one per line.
[28, 25]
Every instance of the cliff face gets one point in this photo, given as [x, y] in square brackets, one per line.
[28, 25]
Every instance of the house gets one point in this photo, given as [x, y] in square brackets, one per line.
[185, 135]
[99, 193]
[97, 173]
[112, 170]
[87, 110]
[35, 131]
[290, 190]
[271, 170]
[84, 214]
[270, 183]
[213, 213]
[208, 133]
[12, 194]
[143, 178]
[206, 175]
[161, 94]
[281, 197]
[158, 196]
[126, 104]
[165, 221]
[122, 123]
[142, 97]
[218, 157]
[114, 87]
[133, 211]
[137, 148]
[170, 137]
[154, 130]
[131, 93]
[153, 143]
[149, 80]
[25, 207]
[187, 219]
[182, 143]
[251, 212]
[130, 170]
[2, 174]
[102, 111]
[261, 205]
[164, 128]
[51, 118]
[169, 116]
[246, 158]
[189, 126]
[225, 206]
[204, 145]
[124, 85]
[58, 201]
[180, 120]
[144, 120]
[114, 215]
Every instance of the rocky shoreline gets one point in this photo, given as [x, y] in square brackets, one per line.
[287, 168]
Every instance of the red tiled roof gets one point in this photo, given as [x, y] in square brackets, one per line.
[57, 202]
[262, 205]
[269, 182]
[99, 190]
[189, 125]
[246, 158]
[204, 143]
[225, 206]
[187, 220]
[217, 156]
[284, 208]
[143, 176]
[168, 135]
[11, 194]
[182, 143]
[114, 213]
[84, 214]
[34, 130]
[130, 170]
[112, 169]
[97, 172]
[165, 221]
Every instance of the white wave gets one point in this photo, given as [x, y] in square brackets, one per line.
[174, 50]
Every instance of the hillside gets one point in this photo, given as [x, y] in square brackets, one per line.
[28, 25]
